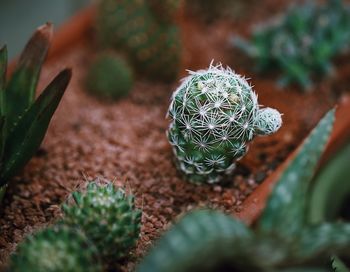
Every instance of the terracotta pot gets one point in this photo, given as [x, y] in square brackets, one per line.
[75, 31]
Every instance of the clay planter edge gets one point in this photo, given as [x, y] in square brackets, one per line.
[76, 29]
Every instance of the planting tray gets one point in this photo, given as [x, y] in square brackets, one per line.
[126, 143]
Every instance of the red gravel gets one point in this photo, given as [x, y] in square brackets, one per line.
[126, 142]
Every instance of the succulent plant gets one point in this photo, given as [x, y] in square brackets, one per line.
[108, 218]
[24, 120]
[55, 249]
[130, 26]
[109, 77]
[283, 238]
[209, 10]
[215, 113]
[302, 42]
[164, 10]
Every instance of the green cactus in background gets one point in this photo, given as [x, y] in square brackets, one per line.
[108, 218]
[130, 26]
[55, 249]
[109, 77]
[302, 42]
[215, 113]
[283, 240]
[24, 120]
[164, 10]
[209, 10]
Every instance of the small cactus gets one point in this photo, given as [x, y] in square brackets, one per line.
[130, 26]
[109, 77]
[283, 238]
[215, 113]
[108, 218]
[300, 43]
[55, 249]
[164, 10]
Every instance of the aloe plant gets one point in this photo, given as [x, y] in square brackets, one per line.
[24, 119]
[283, 239]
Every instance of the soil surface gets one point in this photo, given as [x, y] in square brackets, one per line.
[125, 141]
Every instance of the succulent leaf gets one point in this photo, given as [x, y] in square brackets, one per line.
[301, 42]
[339, 266]
[191, 244]
[3, 69]
[285, 211]
[28, 133]
[20, 90]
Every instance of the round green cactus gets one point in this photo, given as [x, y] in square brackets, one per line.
[55, 249]
[164, 10]
[215, 113]
[131, 26]
[109, 77]
[108, 218]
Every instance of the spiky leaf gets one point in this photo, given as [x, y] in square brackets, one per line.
[192, 243]
[339, 266]
[20, 91]
[285, 210]
[27, 135]
[3, 69]
[324, 240]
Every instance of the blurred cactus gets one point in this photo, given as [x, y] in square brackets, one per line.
[215, 113]
[130, 26]
[209, 10]
[108, 218]
[282, 241]
[24, 120]
[164, 10]
[109, 77]
[302, 42]
[55, 249]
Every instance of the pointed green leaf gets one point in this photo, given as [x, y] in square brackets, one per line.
[285, 211]
[20, 91]
[27, 135]
[324, 240]
[3, 69]
[339, 266]
[197, 242]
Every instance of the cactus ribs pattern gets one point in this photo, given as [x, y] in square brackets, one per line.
[215, 113]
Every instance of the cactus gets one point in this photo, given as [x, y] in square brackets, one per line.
[24, 120]
[55, 249]
[215, 113]
[283, 238]
[209, 10]
[130, 26]
[109, 77]
[301, 42]
[164, 10]
[108, 218]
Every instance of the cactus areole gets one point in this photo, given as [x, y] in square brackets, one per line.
[215, 113]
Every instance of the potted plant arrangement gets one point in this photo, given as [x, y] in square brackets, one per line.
[114, 174]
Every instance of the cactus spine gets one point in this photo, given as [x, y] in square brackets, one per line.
[215, 113]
